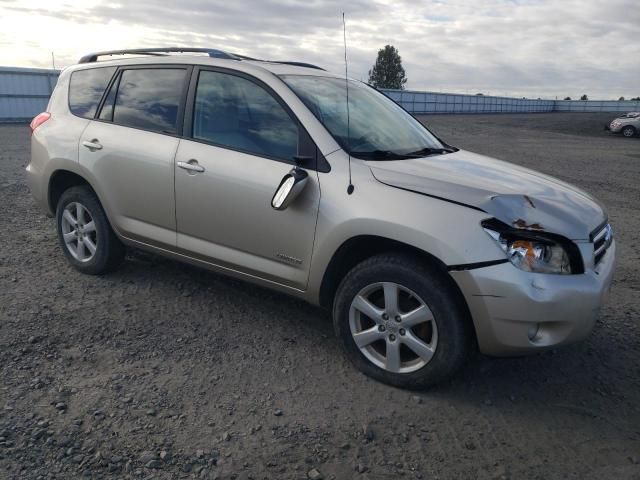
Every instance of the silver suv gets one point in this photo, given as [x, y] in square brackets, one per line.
[627, 124]
[260, 170]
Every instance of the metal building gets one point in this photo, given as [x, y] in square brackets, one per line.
[24, 92]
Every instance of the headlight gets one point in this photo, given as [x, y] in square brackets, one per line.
[532, 252]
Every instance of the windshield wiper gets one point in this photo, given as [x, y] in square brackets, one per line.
[382, 155]
[430, 151]
[391, 155]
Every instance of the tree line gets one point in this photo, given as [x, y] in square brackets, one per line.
[388, 72]
[621, 99]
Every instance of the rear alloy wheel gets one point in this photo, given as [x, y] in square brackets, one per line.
[628, 131]
[86, 237]
[79, 232]
[402, 321]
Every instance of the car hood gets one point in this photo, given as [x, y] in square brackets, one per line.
[627, 119]
[515, 195]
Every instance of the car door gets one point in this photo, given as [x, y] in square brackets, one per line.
[242, 142]
[130, 148]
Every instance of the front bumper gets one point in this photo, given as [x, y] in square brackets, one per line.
[509, 305]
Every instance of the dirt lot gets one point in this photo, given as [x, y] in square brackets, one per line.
[162, 370]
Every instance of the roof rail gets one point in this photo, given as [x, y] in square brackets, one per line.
[93, 57]
[296, 64]
[214, 53]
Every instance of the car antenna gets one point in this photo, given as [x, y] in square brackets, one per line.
[350, 188]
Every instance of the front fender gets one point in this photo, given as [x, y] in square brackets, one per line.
[452, 233]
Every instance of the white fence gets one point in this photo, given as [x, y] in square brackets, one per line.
[434, 102]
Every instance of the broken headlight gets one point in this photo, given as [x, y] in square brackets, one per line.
[532, 252]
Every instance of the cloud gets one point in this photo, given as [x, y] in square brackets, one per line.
[532, 48]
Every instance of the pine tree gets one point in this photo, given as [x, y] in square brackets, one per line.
[388, 72]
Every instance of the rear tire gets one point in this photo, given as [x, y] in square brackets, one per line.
[383, 342]
[628, 131]
[85, 235]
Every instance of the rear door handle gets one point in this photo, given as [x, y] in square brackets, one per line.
[92, 145]
[191, 166]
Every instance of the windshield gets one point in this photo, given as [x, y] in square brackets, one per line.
[378, 128]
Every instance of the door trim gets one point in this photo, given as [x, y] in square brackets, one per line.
[182, 255]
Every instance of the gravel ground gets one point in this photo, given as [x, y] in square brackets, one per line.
[162, 370]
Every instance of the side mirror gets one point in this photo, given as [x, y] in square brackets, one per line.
[290, 187]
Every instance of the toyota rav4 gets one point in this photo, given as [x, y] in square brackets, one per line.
[299, 180]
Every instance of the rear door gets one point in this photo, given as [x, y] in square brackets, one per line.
[130, 148]
[243, 140]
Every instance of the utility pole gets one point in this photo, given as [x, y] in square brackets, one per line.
[53, 60]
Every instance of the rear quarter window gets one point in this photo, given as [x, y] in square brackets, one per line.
[86, 89]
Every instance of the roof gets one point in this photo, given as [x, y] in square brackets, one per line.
[174, 52]
[241, 64]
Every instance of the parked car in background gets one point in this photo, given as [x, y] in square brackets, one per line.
[256, 169]
[628, 124]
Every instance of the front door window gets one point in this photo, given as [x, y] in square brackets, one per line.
[233, 112]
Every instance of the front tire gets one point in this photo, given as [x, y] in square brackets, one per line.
[85, 234]
[402, 322]
[628, 131]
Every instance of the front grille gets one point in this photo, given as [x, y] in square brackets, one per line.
[602, 240]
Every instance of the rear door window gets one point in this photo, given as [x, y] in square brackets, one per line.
[86, 89]
[149, 98]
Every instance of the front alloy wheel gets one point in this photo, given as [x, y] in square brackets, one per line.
[393, 327]
[403, 321]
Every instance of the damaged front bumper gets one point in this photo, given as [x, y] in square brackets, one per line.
[517, 312]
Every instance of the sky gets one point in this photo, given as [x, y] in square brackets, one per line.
[522, 48]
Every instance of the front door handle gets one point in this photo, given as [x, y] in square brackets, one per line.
[191, 166]
[92, 145]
